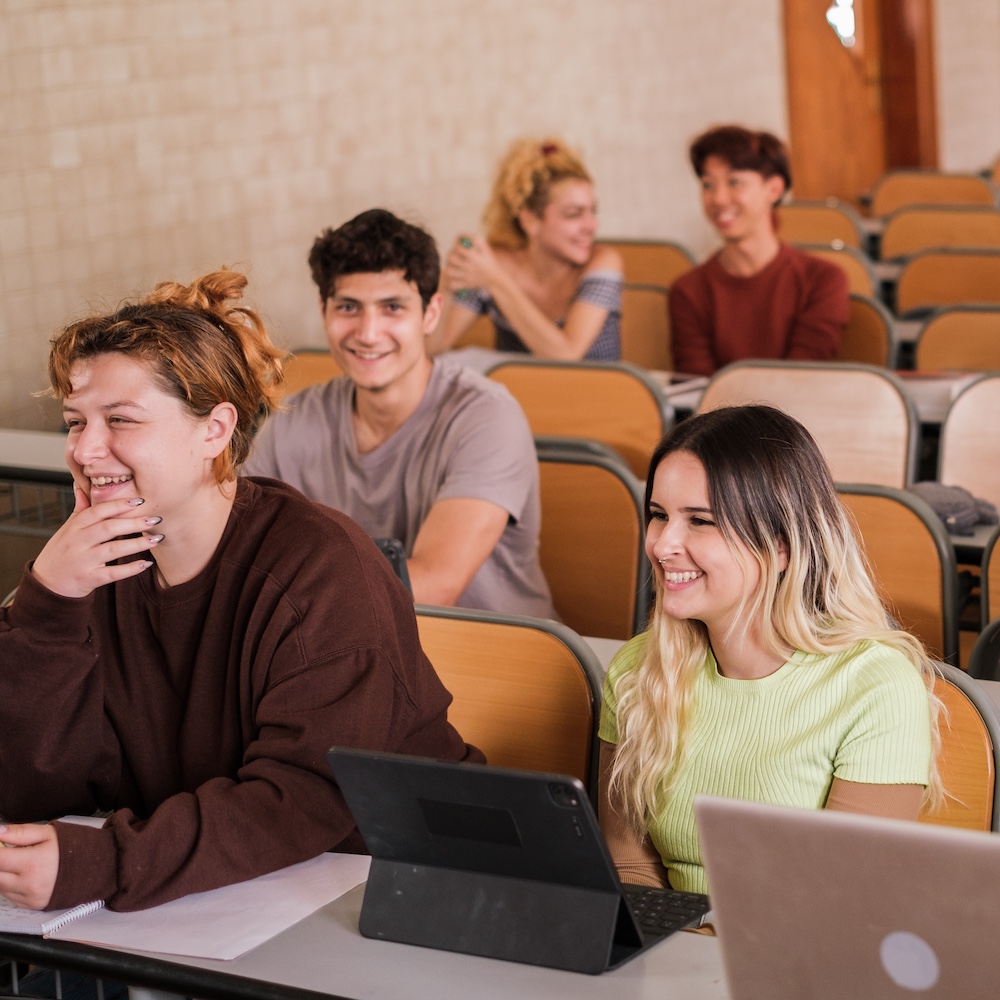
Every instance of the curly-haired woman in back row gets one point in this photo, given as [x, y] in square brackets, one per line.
[537, 273]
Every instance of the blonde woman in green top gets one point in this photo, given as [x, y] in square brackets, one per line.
[770, 670]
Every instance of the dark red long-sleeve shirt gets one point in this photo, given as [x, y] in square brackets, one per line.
[796, 308]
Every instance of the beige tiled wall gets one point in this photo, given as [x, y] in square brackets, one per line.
[967, 33]
[150, 139]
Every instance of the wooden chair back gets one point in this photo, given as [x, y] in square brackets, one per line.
[921, 227]
[526, 690]
[912, 560]
[652, 262]
[863, 421]
[819, 222]
[645, 327]
[308, 366]
[900, 188]
[861, 278]
[948, 277]
[482, 333]
[989, 590]
[869, 337]
[969, 448]
[961, 338]
[967, 763]
[591, 543]
[615, 403]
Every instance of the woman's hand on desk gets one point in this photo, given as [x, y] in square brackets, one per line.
[77, 559]
[29, 863]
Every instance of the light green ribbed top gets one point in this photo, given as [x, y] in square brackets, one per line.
[861, 715]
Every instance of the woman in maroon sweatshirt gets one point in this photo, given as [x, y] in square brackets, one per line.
[188, 645]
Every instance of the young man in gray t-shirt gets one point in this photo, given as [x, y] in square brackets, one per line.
[426, 451]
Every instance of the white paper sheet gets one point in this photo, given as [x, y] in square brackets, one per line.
[224, 923]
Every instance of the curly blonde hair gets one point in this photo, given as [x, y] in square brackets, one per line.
[524, 180]
[769, 487]
[200, 345]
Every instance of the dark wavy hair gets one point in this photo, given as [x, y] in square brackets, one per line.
[373, 242]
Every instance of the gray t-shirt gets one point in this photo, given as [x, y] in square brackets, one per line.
[467, 438]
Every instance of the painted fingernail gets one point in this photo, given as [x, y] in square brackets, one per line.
[146, 563]
[135, 501]
[152, 520]
[154, 539]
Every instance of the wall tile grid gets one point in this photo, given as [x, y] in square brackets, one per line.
[967, 37]
[142, 140]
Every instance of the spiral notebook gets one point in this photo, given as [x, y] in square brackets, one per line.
[18, 920]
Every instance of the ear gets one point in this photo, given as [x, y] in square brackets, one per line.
[220, 425]
[782, 555]
[529, 222]
[432, 314]
[775, 188]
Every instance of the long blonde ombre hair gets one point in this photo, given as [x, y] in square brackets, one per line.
[770, 488]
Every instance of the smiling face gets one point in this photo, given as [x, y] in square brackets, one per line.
[568, 224]
[739, 203]
[703, 577]
[377, 327]
[129, 438]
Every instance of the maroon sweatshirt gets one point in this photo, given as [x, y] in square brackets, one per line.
[200, 715]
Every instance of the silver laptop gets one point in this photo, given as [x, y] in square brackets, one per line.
[815, 904]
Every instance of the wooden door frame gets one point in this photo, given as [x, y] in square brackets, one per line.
[909, 94]
[856, 112]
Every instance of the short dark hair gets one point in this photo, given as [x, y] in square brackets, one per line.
[743, 149]
[373, 242]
